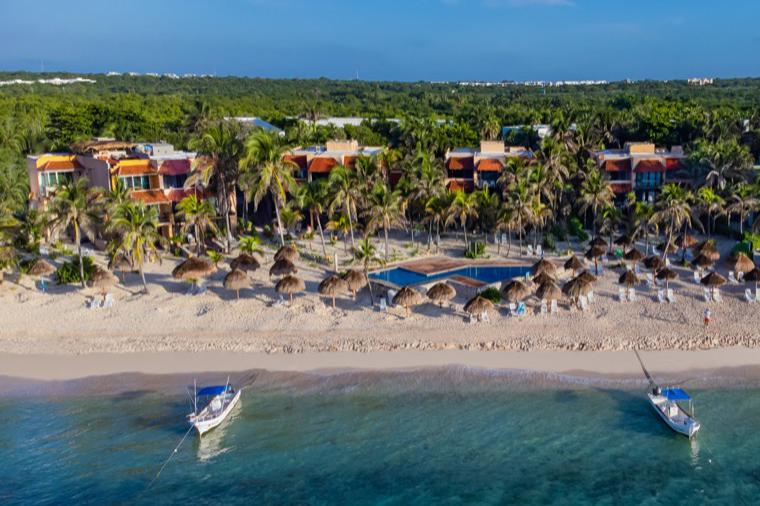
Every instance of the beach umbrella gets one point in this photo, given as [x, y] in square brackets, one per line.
[193, 269]
[332, 286]
[708, 249]
[356, 280]
[441, 292]
[599, 242]
[515, 291]
[282, 267]
[407, 297]
[667, 275]
[576, 287]
[549, 291]
[543, 278]
[624, 241]
[102, 280]
[686, 241]
[41, 268]
[287, 252]
[740, 262]
[290, 285]
[753, 276]
[713, 279]
[586, 277]
[702, 261]
[633, 255]
[672, 248]
[245, 262]
[543, 265]
[654, 263]
[120, 263]
[236, 280]
[628, 278]
[594, 252]
[573, 264]
[478, 306]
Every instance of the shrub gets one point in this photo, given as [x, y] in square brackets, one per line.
[476, 249]
[559, 231]
[549, 242]
[69, 272]
[752, 239]
[575, 229]
[491, 293]
[215, 256]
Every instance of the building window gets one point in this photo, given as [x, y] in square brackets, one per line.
[177, 181]
[53, 179]
[136, 182]
[648, 180]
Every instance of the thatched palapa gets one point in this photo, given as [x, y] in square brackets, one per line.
[740, 262]
[407, 297]
[586, 277]
[237, 280]
[543, 266]
[576, 287]
[441, 292]
[599, 242]
[356, 280]
[245, 262]
[478, 306]
[102, 280]
[41, 267]
[543, 278]
[287, 252]
[753, 276]
[702, 261]
[667, 275]
[290, 285]
[713, 279]
[515, 291]
[633, 255]
[333, 286]
[628, 278]
[573, 264]
[549, 291]
[193, 269]
[654, 262]
[282, 267]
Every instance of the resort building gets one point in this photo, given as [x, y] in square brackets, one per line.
[469, 168]
[156, 173]
[315, 162]
[642, 168]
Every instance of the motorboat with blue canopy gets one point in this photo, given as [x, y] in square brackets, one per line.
[221, 400]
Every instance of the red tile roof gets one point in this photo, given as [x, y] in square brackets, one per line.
[322, 165]
[299, 160]
[60, 165]
[174, 167]
[460, 163]
[650, 166]
[490, 164]
[150, 196]
[134, 167]
[621, 187]
[177, 194]
[617, 165]
[455, 184]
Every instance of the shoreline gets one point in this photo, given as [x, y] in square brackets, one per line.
[735, 361]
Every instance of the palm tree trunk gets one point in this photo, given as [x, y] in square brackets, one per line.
[369, 285]
[197, 239]
[226, 211]
[351, 226]
[78, 240]
[142, 277]
[464, 228]
[322, 236]
[279, 222]
[387, 251]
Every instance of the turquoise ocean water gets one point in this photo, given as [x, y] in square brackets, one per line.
[434, 437]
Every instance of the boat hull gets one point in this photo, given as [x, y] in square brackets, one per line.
[203, 426]
[687, 429]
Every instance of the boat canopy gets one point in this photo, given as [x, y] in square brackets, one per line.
[675, 394]
[214, 390]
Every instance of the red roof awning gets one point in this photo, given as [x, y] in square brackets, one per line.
[458, 184]
[617, 165]
[460, 163]
[299, 160]
[135, 168]
[490, 164]
[322, 165]
[621, 187]
[174, 167]
[60, 165]
[150, 196]
[650, 166]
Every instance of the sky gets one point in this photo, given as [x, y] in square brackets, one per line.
[400, 40]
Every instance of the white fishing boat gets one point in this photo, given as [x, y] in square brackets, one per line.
[665, 402]
[219, 401]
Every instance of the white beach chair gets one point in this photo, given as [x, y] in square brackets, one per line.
[740, 276]
[279, 302]
[108, 301]
[716, 295]
[530, 250]
[757, 293]
[383, 305]
[706, 294]
[539, 251]
[544, 310]
[667, 262]
[661, 296]
[697, 277]
[94, 303]
[650, 280]
[748, 296]
[504, 238]
[732, 278]
[632, 294]
[621, 294]
[484, 317]
[583, 302]
[590, 297]
[637, 269]
[554, 308]
[390, 295]
[200, 289]
[671, 296]
[521, 309]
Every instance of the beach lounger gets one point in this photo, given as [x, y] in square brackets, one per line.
[706, 294]
[671, 296]
[108, 301]
[697, 277]
[632, 294]
[539, 251]
[512, 309]
[390, 295]
[485, 317]
[661, 296]
[740, 276]
[590, 297]
[716, 295]
[521, 309]
[748, 296]
[553, 308]
[544, 310]
[621, 294]
[94, 303]
[583, 302]
[383, 305]
[637, 269]
[41, 286]
[530, 250]
[757, 293]
[732, 278]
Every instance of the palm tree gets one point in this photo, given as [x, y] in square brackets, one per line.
[711, 204]
[269, 172]
[219, 148]
[366, 253]
[673, 209]
[611, 218]
[595, 192]
[200, 215]
[344, 195]
[463, 206]
[314, 196]
[743, 200]
[488, 207]
[30, 230]
[250, 244]
[342, 225]
[519, 206]
[290, 216]
[386, 209]
[75, 205]
[136, 226]
[436, 210]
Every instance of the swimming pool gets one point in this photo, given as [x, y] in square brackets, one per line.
[484, 273]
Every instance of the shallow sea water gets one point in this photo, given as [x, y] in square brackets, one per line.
[413, 438]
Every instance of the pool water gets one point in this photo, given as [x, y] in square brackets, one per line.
[485, 273]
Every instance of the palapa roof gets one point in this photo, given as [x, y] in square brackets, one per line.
[713, 279]
[740, 262]
[549, 291]
[120, 262]
[441, 292]
[633, 255]
[702, 261]
[245, 262]
[478, 305]
[667, 273]
[101, 279]
[236, 279]
[194, 268]
[595, 252]
[708, 249]
[573, 263]
[543, 278]
[543, 265]
[41, 267]
[628, 278]
[623, 240]
[290, 285]
[576, 287]
[515, 290]
[407, 297]
[586, 277]
[287, 252]
[333, 285]
[686, 241]
[356, 279]
[598, 241]
[282, 268]
[654, 262]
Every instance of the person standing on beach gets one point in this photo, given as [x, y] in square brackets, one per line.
[708, 316]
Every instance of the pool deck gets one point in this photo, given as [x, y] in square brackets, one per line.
[436, 265]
